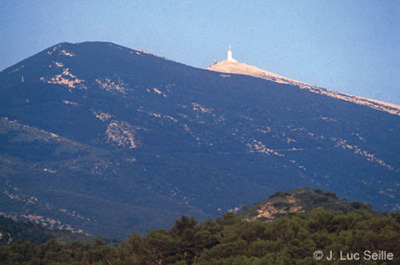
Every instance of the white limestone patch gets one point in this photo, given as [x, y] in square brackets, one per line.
[234, 210]
[208, 111]
[270, 211]
[265, 130]
[17, 69]
[194, 136]
[49, 170]
[66, 53]
[67, 102]
[246, 117]
[131, 160]
[112, 85]
[358, 136]
[63, 52]
[387, 193]
[56, 65]
[259, 147]
[198, 107]
[342, 143]
[102, 115]
[158, 115]
[101, 167]
[180, 195]
[50, 222]
[289, 140]
[52, 51]
[14, 193]
[326, 119]
[143, 52]
[121, 133]
[170, 118]
[155, 115]
[32, 200]
[159, 92]
[224, 76]
[66, 78]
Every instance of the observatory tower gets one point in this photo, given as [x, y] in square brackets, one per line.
[230, 57]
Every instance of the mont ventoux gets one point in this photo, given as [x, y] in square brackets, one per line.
[106, 140]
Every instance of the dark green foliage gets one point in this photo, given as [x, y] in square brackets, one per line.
[230, 240]
[12, 231]
[311, 199]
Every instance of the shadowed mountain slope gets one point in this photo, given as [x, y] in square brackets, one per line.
[106, 139]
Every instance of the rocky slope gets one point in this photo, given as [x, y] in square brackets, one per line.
[105, 139]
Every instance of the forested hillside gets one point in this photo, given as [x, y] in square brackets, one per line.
[292, 239]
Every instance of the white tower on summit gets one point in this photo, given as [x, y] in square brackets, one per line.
[230, 58]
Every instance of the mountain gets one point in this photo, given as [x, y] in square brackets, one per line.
[301, 200]
[102, 139]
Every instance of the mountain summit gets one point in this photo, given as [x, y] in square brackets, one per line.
[236, 67]
[103, 139]
[233, 66]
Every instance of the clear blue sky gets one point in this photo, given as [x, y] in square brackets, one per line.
[349, 46]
